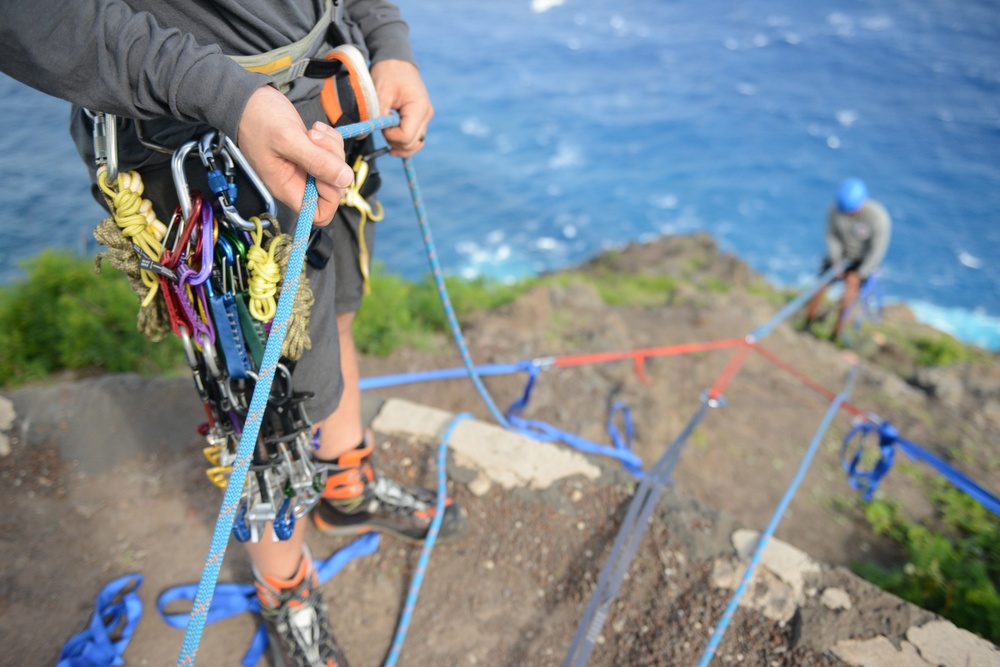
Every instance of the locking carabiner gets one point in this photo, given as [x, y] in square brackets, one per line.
[210, 149]
[105, 135]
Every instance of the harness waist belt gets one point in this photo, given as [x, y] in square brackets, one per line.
[293, 61]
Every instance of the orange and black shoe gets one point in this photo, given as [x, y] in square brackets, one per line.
[295, 617]
[358, 499]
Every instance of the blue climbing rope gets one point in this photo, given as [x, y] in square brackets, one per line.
[383, 381]
[541, 431]
[425, 554]
[456, 331]
[232, 599]
[734, 602]
[258, 403]
[796, 303]
[248, 439]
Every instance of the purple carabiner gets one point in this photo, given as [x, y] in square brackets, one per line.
[199, 325]
[187, 275]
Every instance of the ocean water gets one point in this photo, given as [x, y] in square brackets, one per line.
[564, 128]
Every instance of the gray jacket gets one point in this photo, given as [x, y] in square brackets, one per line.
[861, 238]
[166, 61]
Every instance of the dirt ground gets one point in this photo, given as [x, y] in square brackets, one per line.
[73, 517]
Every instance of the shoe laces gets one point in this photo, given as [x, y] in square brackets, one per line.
[298, 616]
[395, 497]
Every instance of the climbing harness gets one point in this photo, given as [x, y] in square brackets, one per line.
[867, 307]
[215, 275]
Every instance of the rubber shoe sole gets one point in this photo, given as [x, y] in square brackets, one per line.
[329, 521]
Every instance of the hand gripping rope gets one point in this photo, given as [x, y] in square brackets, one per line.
[262, 388]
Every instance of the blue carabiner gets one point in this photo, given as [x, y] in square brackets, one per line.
[241, 531]
[284, 522]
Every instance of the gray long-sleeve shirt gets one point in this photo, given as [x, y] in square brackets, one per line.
[862, 237]
[167, 60]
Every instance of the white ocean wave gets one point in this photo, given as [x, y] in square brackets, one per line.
[667, 201]
[539, 6]
[881, 22]
[970, 261]
[475, 127]
[566, 156]
[970, 326]
[847, 117]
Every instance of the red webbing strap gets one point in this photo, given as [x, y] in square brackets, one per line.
[812, 384]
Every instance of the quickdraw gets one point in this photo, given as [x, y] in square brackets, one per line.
[216, 275]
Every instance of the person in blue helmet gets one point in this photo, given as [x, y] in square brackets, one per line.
[858, 229]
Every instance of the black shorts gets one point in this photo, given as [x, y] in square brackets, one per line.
[848, 268]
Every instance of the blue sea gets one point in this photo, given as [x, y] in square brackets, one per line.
[567, 127]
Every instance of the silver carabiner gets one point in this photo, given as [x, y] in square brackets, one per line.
[180, 178]
[105, 143]
[230, 212]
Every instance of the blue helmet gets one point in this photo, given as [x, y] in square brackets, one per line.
[851, 195]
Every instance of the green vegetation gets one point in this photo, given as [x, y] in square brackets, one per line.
[939, 351]
[761, 288]
[621, 289]
[64, 316]
[406, 313]
[717, 285]
[953, 565]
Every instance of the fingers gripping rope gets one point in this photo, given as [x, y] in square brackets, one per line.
[227, 514]
[262, 388]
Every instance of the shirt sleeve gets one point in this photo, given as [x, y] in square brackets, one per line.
[834, 248]
[881, 231]
[386, 34]
[104, 56]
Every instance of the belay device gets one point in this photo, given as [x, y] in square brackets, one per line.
[211, 277]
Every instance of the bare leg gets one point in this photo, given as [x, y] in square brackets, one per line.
[814, 304]
[343, 430]
[339, 432]
[852, 286]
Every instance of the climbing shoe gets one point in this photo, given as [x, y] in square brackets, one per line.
[295, 617]
[349, 96]
[358, 499]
